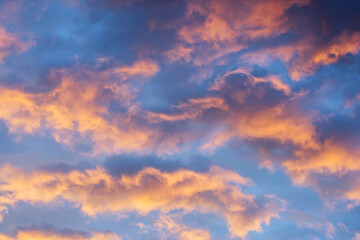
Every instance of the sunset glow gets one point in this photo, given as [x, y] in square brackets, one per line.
[179, 119]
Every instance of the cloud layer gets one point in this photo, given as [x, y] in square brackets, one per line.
[179, 119]
[96, 192]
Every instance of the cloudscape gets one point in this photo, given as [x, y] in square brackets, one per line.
[179, 119]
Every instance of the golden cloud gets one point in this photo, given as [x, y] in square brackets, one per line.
[50, 235]
[96, 192]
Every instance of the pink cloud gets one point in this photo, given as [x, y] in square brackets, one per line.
[10, 44]
[145, 68]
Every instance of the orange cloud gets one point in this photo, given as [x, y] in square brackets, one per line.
[181, 231]
[278, 124]
[305, 57]
[96, 192]
[78, 110]
[353, 194]
[145, 68]
[10, 43]
[333, 171]
[213, 29]
[19, 111]
[192, 109]
[346, 43]
[50, 235]
[72, 111]
[332, 159]
[229, 25]
[247, 20]
[266, 18]
[281, 123]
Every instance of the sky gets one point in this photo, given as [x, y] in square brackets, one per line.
[179, 119]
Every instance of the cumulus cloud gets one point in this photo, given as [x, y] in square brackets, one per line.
[237, 97]
[332, 158]
[332, 170]
[96, 192]
[279, 119]
[277, 124]
[87, 91]
[225, 22]
[228, 26]
[77, 110]
[69, 109]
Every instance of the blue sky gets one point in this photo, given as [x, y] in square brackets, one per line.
[184, 120]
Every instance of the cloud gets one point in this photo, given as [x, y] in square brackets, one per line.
[228, 20]
[304, 220]
[71, 88]
[332, 170]
[192, 109]
[73, 108]
[305, 56]
[77, 110]
[357, 236]
[228, 26]
[96, 192]
[274, 80]
[145, 68]
[256, 114]
[81, 110]
[278, 124]
[315, 56]
[248, 107]
[179, 53]
[11, 43]
[332, 158]
[180, 231]
[46, 234]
